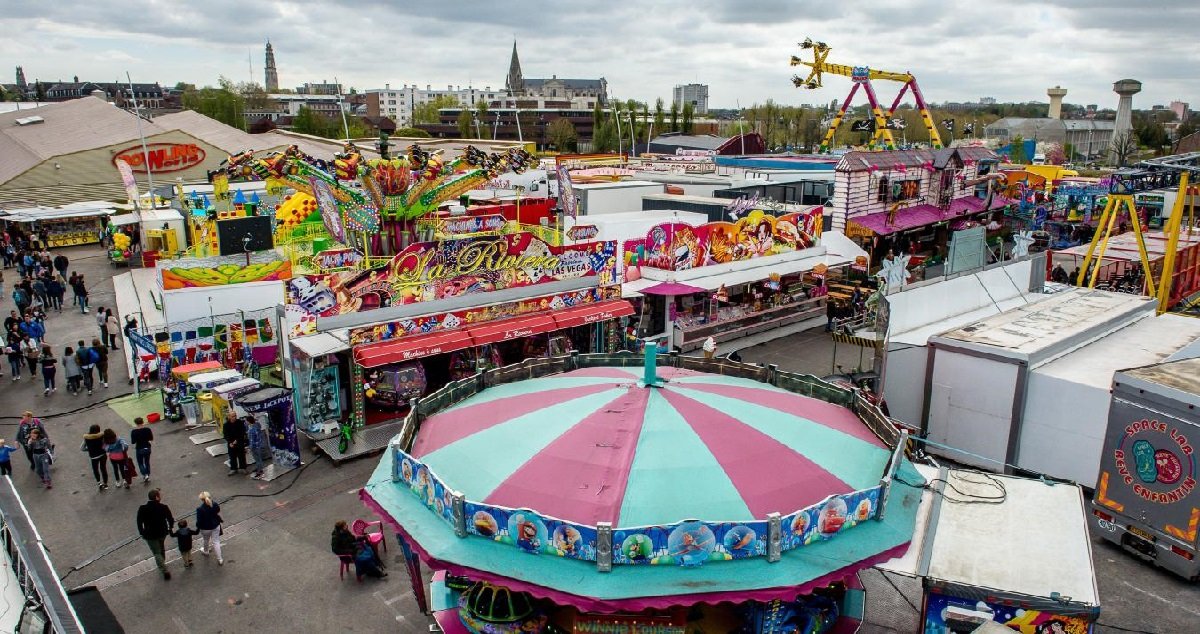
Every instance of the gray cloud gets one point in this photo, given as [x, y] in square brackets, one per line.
[959, 51]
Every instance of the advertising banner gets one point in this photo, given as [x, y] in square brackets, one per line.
[1023, 620]
[676, 246]
[275, 404]
[131, 188]
[437, 270]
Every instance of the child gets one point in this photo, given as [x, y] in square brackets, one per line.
[184, 535]
[6, 458]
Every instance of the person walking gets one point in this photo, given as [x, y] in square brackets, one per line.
[118, 454]
[257, 440]
[40, 452]
[60, 265]
[112, 327]
[12, 348]
[86, 364]
[6, 458]
[55, 291]
[47, 361]
[21, 298]
[72, 370]
[34, 328]
[27, 425]
[93, 444]
[208, 521]
[141, 437]
[39, 290]
[154, 522]
[31, 352]
[81, 294]
[72, 282]
[102, 323]
[184, 536]
[234, 432]
[101, 357]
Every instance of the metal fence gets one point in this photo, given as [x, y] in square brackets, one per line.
[46, 600]
[802, 384]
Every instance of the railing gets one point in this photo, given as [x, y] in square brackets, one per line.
[45, 598]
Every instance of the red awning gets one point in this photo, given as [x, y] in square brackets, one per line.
[505, 329]
[592, 313]
[409, 348]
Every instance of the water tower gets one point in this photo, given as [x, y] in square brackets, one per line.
[1056, 95]
[1126, 88]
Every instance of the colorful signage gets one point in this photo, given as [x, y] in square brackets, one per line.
[459, 318]
[162, 157]
[628, 624]
[1019, 619]
[583, 232]
[474, 224]
[1156, 460]
[676, 246]
[437, 270]
[224, 274]
[330, 214]
[131, 188]
[331, 259]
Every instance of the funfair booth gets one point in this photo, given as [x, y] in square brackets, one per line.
[616, 499]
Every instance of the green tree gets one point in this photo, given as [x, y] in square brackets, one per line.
[428, 112]
[481, 111]
[561, 134]
[645, 129]
[688, 113]
[604, 137]
[411, 133]
[1187, 127]
[308, 121]
[1152, 135]
[254, 96]
[659, 116]
[1018, 150]
[674, 116]
[597, 116]
[464, 124]
[223, 103]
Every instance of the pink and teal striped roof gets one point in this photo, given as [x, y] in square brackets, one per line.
[591, 446]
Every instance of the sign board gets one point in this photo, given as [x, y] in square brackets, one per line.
[474, 224]
[582, 232]
[163, 157]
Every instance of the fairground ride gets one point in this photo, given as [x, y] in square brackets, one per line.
[1169, 171]
[861, 76]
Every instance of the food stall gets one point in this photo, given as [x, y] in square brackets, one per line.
[1121, 255]
[70, 225]
[162, 229]
[223, 396]
[550, 534]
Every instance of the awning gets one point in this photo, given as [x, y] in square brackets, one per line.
[409, 348]
[319, 344]
[885, 222]
[591, 313]
[504, 329]
[760, 273]
[671, 288]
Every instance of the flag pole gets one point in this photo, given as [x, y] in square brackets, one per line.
[137, 111]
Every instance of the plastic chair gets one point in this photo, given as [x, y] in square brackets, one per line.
[345, 562]
[359, 529]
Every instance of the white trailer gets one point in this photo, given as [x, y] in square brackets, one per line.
[606, 198]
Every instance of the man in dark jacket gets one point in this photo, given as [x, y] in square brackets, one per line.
[154, 522]
[60, 264]
[234, 432]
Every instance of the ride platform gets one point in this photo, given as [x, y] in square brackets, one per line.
[367, 441]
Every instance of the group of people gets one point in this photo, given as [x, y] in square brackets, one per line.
[155, 523]
[842, 309]
[107, 448]
[242, 433]
[357, 549]
[82, 364]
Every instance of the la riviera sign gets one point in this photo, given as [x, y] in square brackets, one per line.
[163, 157]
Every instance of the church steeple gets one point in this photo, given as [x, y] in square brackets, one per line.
[271, 85]
[515, 84]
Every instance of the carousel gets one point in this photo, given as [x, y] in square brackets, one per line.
[626, 499]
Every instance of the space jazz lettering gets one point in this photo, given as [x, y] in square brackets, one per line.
[1149, 455]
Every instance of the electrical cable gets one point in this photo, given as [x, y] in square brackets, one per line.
[883, 573]
[82, 408]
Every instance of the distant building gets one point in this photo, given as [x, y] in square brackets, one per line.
[121, 94]
[1089, 138]
[695, 94]
[517, 85]
[1180, 108]
[271, 83]
[323, 88]
[502, 124]
[987, 101]
[398, 104]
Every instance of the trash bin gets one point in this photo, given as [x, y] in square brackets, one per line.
[205, 401]
[191, 410]
[149, 259]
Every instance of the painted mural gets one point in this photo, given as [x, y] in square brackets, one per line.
[1023, 620]
[468, 316]
[688, 543]
[195, 277]
[437, 270]
[677, 246]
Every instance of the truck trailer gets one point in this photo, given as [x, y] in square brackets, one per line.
[1146, 499]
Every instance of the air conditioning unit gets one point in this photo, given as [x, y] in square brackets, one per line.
[30, 120]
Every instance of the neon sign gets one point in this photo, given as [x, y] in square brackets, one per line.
[163, 157]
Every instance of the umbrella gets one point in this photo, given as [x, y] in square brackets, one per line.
[672, 288]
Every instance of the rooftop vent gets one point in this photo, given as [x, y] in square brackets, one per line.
[30, 120]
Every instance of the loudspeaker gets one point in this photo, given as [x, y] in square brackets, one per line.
[232, 235]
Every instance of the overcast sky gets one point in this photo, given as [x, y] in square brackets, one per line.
[959, 51]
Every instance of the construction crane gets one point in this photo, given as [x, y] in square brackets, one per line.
[1174, 171]
[861, 76]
